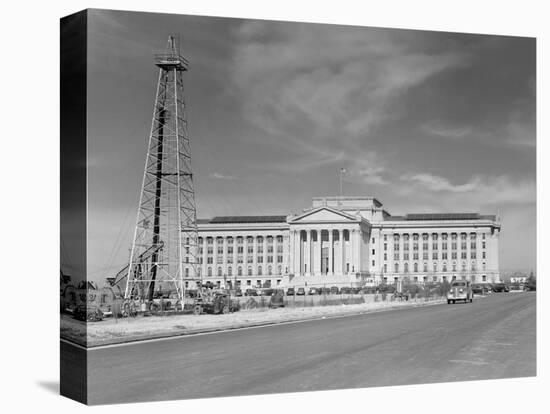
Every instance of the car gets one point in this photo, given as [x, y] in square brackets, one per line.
[290, 291]
[301, 291]
[238, 292]
[313, 291]
[460, 290]
[355, 290]
[251, 292]
[266, 292]
[216, 303]
[345, 290]
[500, 288]
[324, 291]
[479, 289]
[334, 290]
[516, 287]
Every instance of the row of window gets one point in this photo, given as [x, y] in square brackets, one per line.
[435, 246]
[240, 239]
[426, 236]
[259, 271]
[435, 255]
[397, 268]
[240, 259]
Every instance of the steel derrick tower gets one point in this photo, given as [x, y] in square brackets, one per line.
[165, 245]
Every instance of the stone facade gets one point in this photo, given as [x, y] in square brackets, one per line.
[347, 241]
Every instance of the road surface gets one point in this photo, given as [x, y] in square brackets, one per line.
[494, 337]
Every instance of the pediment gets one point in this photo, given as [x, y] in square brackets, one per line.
[324, 214]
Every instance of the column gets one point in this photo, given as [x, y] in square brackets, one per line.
[215, 256]
[299, 253]
[254, 256]
[351, 250]
[317, 256]
[307, 253]
[329, 273]
[342, 253]
[291, 259]
[245, 255]
[235, 265]
[264, 259]
[224, 265]
[204, 250]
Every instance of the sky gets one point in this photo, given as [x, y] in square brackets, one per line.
[423, 121]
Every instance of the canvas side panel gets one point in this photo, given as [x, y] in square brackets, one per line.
[73, 369]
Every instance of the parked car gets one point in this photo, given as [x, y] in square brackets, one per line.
[301, 291]
[313, 291]
[479, 289]
[516, 287]
[460, 290]
[334, 290]
[251, 292]
[324, 291]
[290, 291]
[500, 287]
[355, 290]
[345, 290]
[218, 302]
[266, 292]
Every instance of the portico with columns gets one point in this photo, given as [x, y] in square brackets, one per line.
[327, 244]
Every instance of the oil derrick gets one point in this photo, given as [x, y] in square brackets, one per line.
[165, 244]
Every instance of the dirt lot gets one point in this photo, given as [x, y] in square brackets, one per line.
[113, 330]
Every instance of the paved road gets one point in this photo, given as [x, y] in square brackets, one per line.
[493, 337]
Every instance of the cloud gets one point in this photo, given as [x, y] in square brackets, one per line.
[326, 86]
[219, 176]
[478, 192]
[440, 129]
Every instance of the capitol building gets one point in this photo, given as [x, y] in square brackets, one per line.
[347, 241]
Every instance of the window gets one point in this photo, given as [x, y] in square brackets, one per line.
[473, 245]
[240, 259]
[279, 259]
[415, 237]
[453, 246]
[425, 256]
[240, 250]
[209, 260]
[269, 239]
[385, 268]
[444, 246]
[425, 237]
[260, 259]
[435, 267]
[415, 256]
[248, 282]
[424, 246]
[444, 256]
[396, 237]
[405, 256]
[396, 256]
[219, 259]
[239, 271]
[219, 272]
[473, 266]
[396, 267]
[269, 270]
[229, 271]
[270, 248]
[385, 256]
[373, 240]
[199, 271]
[434, 256]
[415, 247]
[230, 240]
[483, 255]
[269, 259]
[249, 270]
[463, 236]
[454, 267]
[406, 268]
[454, 236]
[230, 250]
[210, 250]
[483, 236]
[406, 247]
[472, 236]
[260, 249]
[396, 247]
[385, 246]
[463, 245]
[259, 270]
[279, 248]
[186, 272]
[463, 255]
[279, 270]
[209, 240]
[250, 249]
[434, 278]
[373, 262]
[239, 240]
[473, 255]
[385, 237]
[444, 267]
[260, 240]
[425, 268]
[444, 236]
[483, 245]
[249, 240]
[415, 267]
[279, 239]
[373, 251]
[250, 259]
[484, 266]
[209, 270]
[453, 255]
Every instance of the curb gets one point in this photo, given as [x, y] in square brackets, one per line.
[191, 332]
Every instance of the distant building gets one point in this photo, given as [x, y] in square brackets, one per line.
[348, 241]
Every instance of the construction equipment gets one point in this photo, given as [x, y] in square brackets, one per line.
[215, 303]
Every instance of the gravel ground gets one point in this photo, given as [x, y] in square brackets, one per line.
[113, 330]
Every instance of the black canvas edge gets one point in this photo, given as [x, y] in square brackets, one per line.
[73, 180]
